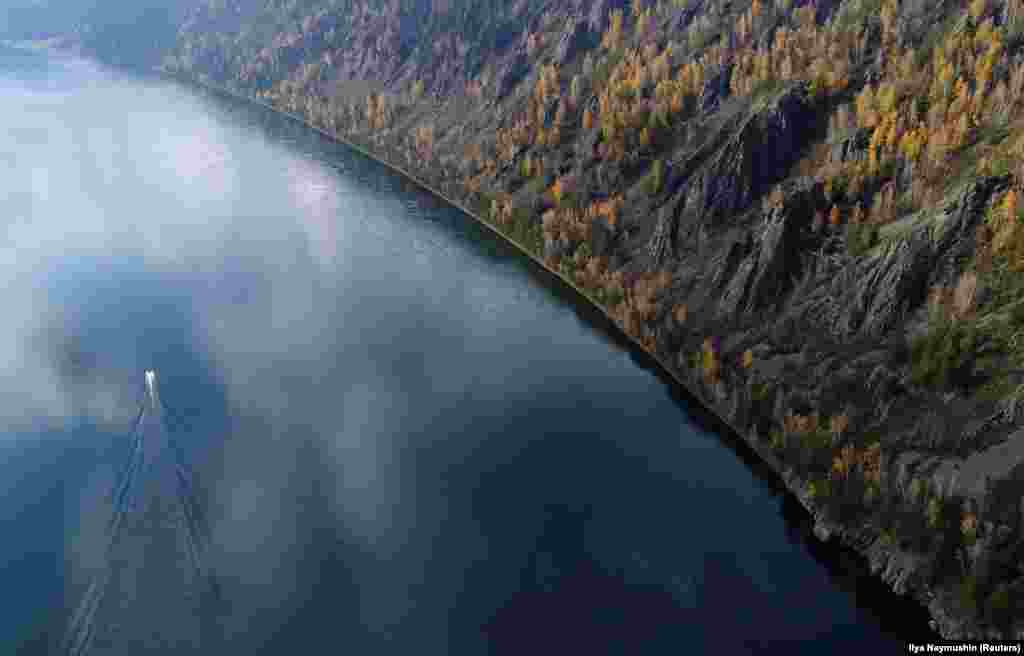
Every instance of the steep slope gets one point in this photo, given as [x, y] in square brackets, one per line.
[808, 213]
[130, 35]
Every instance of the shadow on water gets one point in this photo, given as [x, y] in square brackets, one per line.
[899, 617]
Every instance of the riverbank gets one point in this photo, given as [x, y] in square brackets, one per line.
[892, 565]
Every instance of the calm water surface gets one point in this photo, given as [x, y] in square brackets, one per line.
[399, 437]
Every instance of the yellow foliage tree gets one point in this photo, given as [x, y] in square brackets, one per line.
[944, 79]
[1010, 205]
[556, 190]
[1007, 228]
[527, 166]
[676, 104]
[709, 360]
[574, 90]
[963, 129]
[977, 9]
[867, 116]
[983, 69]
[888, 16]
[873, 162]
[844, 462]
[643, 21]
[912, 144]
[613, 35]
[886, 98]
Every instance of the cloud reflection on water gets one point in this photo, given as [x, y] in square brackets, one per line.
[398, 410]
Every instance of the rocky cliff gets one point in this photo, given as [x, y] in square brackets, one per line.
[807, 211]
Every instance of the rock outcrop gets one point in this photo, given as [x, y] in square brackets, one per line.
[807, 319]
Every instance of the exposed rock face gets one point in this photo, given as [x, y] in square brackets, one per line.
[601, 238]
[877, 292]
[509, 72]
[824, 9]
[766, 274]
[660, 246]
[887, 288]
[597, 13]
[682, 18]
[994, 476]
[828, 325]
[852, 148]
[575, 37]
[715, 90]
[955, 225]
[753, 158]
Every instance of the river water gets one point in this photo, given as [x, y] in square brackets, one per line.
[391, 434]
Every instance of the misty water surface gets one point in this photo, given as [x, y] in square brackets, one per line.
[404, 438]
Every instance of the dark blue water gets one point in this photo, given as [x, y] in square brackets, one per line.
[403, 437]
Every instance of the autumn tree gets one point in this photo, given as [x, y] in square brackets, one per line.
[867, 114]
[574, 90]
[656, 178]
[977, 9]
[557, 190]
[613, 35]
[833, 216]
[985, 65]
[1011, 205]
[643, 23]
[533, 43]
[526, 168]
[1009, 233]
[888, 19]
[371, 109]
[710, 365]
[742, 29]
[424, 141]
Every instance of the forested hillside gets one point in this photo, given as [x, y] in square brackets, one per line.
[128, 34]
[807, 211]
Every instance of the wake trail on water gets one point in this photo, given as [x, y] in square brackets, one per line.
[154, 590]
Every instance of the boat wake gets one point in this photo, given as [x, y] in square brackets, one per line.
[155, 591]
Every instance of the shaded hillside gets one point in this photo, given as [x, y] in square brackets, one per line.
[810, 212]
[126, 34]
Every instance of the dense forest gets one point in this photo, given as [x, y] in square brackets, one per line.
[129, 35]
[807, 211]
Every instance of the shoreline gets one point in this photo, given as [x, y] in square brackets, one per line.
[827, 534]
